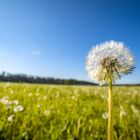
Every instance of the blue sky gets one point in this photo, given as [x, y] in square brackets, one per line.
[53, 37]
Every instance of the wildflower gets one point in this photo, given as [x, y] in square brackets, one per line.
[109, 59]
[18, 108]
[11, 117]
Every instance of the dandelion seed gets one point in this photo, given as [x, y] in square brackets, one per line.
[18, 108]
[11, 117]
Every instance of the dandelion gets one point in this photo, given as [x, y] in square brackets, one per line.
[5, 100]
[11, 117]
[109, 60]
[18, 108]
[106, 63]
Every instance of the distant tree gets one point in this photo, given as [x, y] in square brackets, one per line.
[8, 77]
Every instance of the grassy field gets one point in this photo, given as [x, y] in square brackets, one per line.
[48, 112]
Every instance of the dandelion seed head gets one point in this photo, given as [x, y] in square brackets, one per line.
[11, 117]
[5, 100]
[18, 108]
[109, 59]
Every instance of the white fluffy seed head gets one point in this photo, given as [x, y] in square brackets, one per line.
[18, 108]
[109, 59]
[11, 117]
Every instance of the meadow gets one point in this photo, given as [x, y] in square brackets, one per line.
[51, 112]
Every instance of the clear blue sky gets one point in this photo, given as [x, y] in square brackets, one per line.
[53, 37]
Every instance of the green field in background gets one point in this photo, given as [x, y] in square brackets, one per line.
[49, 112]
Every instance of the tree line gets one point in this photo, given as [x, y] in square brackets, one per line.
[24, 78]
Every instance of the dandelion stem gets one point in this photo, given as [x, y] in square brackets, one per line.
[110, 111]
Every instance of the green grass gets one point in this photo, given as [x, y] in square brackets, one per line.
[67, 112]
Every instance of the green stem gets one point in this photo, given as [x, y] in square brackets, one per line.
[110, 111]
